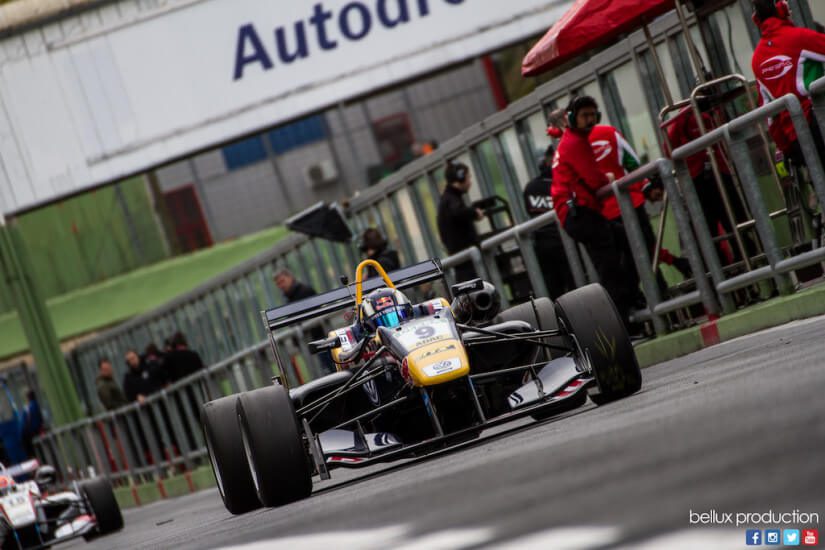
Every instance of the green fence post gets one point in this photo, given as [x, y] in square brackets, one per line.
[53, 374]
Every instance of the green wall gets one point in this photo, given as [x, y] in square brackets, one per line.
[92, 237]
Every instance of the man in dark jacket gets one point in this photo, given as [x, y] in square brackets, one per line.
[786, 61]
[293, 289]
[547, 241]
[456, 220]
[138, 383]
[182, 361]
[374, 245]
[153, 359]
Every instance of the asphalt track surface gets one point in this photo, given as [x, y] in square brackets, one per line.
[736, 428]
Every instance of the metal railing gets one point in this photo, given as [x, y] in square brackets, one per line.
[161, 436]
[736, 133]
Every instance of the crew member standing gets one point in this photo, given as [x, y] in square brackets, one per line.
[456, 220]
[682, 129]
[617, 158]
[547, 241]
[576, 179]
[787, 60]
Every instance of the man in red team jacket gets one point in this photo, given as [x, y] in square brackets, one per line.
[787, 60]
[576, 179]
[588, 158]
[616, 157]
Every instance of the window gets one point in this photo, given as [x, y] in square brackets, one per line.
[243, 153]
[297, 134]
[641, 133]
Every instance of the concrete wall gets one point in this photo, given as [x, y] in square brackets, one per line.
[247, 199]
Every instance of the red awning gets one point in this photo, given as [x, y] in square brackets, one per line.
[589, 24]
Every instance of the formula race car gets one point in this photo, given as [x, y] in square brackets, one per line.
[413, 378]
[36, 515]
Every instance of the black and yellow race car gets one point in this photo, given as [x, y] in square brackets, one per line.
[413, 377]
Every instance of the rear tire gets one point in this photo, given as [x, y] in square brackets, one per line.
[101, 498]
[274, 446]
[590, 315]
[223, 440]
[546, 319]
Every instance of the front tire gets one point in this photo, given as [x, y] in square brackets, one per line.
[223, 440]
[101, 498]
[588, 313]
[274, 446]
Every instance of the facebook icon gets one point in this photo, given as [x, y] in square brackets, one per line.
[753, 537]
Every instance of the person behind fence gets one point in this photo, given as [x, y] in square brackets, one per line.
[684, 128]
[33, 423]
[153, 358]
[375, 247]
[576, 179]
[292, 288]
[787, 60]
[546, 240]
[456, 220]
[182, 361]
[108, 392]
[293, 291]
[616, 159]
[138, 382]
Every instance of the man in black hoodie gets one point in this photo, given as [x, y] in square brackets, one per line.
[138, 383]
[181, 361]
[547, 240]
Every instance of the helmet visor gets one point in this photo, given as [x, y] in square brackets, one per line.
[391, 318]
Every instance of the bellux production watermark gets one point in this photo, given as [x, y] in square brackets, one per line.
[715, 517]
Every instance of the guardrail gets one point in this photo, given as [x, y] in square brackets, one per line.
[736, 133]
[153, 439]
[657, 307]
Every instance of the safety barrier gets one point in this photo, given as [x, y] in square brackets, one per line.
[657, 307]
[736, 133]
[156, 438]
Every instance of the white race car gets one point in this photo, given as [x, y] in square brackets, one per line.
[35, 514]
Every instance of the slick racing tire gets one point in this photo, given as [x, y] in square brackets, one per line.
[223, 440]
[274, 446]
[101, 498]
[546, 319]
[588, 313]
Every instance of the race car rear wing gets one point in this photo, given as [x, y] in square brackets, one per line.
[21, 471]
[341, 298]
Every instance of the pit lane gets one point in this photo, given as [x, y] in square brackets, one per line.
[739, 427]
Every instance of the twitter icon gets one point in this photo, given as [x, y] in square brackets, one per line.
[790, 537]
